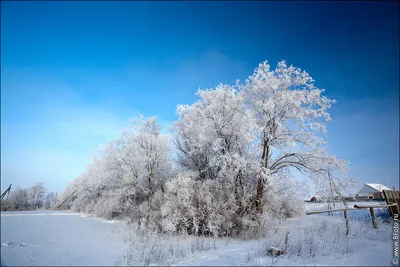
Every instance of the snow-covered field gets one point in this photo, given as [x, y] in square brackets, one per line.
[58, 238]
[311, 241]
[68, 238]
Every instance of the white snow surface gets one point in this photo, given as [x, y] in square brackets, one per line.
[58, 238]
[68, 238]
[371, 248]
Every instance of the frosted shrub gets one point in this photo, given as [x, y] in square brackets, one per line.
[283, 206]
[147, 247]
[103, 208]
[266, 226]
[197, 207]
[205, 207]
[324, 238]
[155, 217]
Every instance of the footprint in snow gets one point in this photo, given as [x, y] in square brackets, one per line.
[6, 244]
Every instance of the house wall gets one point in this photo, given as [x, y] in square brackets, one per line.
[366, 190]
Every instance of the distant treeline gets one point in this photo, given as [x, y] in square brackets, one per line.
[32, 198]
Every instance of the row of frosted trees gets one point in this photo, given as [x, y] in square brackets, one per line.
[227, 163]
[31, 198]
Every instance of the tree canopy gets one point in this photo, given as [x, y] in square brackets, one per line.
[227, 162]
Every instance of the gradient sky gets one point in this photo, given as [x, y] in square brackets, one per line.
[73, 74]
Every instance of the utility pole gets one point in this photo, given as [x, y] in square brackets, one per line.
[7, 192]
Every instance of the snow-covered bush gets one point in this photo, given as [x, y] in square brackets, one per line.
[284, 197]
[198, 207]
[324, 238]
[149, 247]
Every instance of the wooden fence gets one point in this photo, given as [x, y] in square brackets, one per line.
[357, 207]
[392, 197]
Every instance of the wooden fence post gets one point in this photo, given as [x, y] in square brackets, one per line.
[346, 217]
[392, 197]
[374, 222]
[357, 207]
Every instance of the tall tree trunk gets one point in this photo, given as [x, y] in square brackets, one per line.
[260, 184]
[150, 194]
[238, 198]
[259, 198]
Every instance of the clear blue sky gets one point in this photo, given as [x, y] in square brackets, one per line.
[73, 73]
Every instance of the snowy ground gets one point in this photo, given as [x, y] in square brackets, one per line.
[58, 238]
[311, 241]
[67, 238]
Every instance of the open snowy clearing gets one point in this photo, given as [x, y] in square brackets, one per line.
[68, 238]
[58, 238]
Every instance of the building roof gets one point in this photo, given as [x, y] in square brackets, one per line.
[378, 187]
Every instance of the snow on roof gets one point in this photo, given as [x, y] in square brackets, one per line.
[378, 187]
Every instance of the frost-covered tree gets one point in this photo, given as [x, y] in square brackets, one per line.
[49, 200]
[291, 115]
[36, 195]
[144, 156]
[126, 175]
[17, 200]
[248, 139]
[214, 130]
[214, 138]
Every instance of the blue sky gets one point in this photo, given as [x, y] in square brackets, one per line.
[73, 74]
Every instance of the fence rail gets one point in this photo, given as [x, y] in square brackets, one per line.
[356, 207]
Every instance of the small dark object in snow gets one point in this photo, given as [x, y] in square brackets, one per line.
[22, 245]
[6, 244]
[275, 251]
